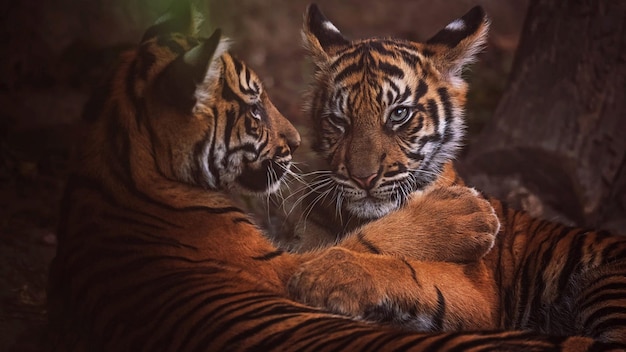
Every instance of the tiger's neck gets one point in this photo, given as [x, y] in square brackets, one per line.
[125, 163]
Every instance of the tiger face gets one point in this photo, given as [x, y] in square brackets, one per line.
[210, 122]
[388, 113]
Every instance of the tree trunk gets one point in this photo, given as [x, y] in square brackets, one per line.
[558, 135]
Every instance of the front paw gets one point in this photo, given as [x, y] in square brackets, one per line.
[463, 212]
[335, 281]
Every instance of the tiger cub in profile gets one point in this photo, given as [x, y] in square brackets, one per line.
[388, 116]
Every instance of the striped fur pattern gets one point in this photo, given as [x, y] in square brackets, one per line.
[388, 113]
[153, 254]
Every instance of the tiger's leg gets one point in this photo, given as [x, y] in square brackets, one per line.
[452, 224]
[425, 296]
[446, 224]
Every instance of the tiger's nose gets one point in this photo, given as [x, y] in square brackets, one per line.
[365, 182]
[293, 141]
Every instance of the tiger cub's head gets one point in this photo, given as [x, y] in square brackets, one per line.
[183, 106]
[388, 113]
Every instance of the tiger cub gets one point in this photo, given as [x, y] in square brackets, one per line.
[388, 115]
[154, 254]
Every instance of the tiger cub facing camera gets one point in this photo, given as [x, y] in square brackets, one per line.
[388, 116]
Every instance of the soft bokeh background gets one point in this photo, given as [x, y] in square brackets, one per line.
[55, 52]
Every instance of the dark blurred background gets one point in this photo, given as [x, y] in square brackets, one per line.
[55, 52]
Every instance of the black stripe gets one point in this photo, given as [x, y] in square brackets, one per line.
[173, 308]
[348, 71]
[274, 309]
[440, 341]
[231, 117]
[603, 313]
[196, 168]
[330, 344]
[573, 259]
[433, 112]
[243, 220]
[445, 100]
[440, 312]
[410, 58]
[159, 284]
[269, 256]
[177, 304]
[213, 169]
[346, 56]
[230, 312]
[132, 264]
[370, 246]
[413, 273]
[315, 326]
[608, 325]
[331, 327]
[379, 47]
[391, 70]
[601, 293]
[394, 173]
[540, 285]
[271, 319]
[417, 128]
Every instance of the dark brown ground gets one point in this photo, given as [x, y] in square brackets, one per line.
[55, 52]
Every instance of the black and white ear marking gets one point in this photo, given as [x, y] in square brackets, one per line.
[177, 84]
[457, 44]
[319, 34]
[460, 28]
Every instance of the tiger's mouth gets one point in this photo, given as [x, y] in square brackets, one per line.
[264, 179]
[380, 200]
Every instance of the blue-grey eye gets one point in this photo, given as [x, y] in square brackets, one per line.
[399, 115]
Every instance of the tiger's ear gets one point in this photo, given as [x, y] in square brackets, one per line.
[177, 85]
[183, 17]
[320, 36]
[457, 45]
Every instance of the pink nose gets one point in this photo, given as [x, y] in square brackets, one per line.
[365, 182]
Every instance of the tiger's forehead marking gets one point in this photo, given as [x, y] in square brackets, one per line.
[242, 80]
[382, 72]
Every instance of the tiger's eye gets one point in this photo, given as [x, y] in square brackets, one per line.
[255, 111]
[399, 114]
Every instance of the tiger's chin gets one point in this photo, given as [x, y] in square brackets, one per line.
[370, 208]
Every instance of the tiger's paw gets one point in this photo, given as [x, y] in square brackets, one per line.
[446, 224]
[465, 223]
[336, 281]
